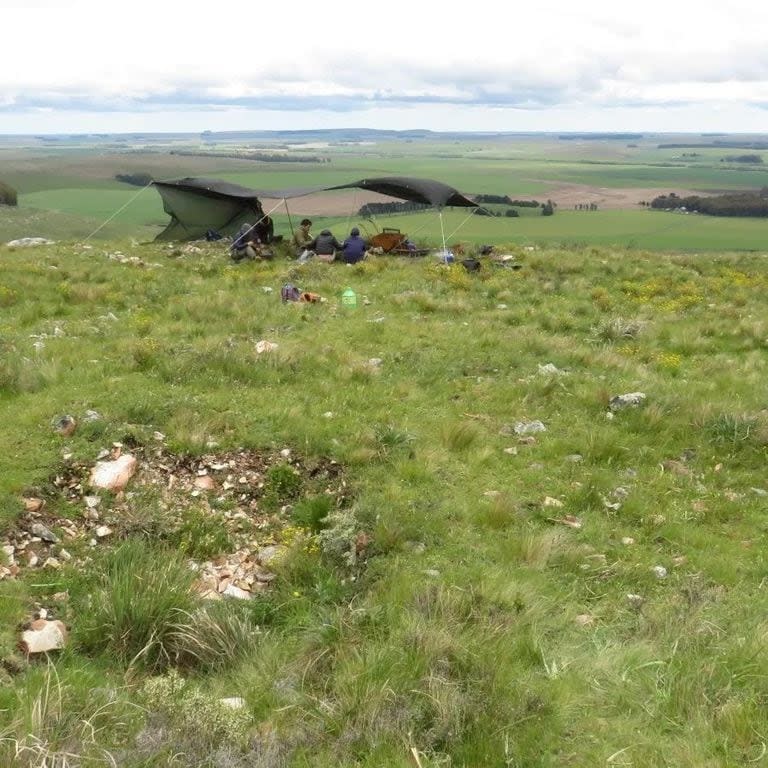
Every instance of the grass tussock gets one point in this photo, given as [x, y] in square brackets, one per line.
[141, 611]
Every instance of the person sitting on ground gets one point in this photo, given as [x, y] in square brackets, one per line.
[264, 229]
[246, 244]
[302, 237]
[354, 247]
[325, 246]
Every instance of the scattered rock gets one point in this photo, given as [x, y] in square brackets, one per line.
[375, 362]
[627, 541]
[43, 636]
[574, 458]
[570, 520]
[549, 501]
[635, 600]
[529, 427]
[265, 346]
[38, 529]
[29, 242]
[234, 702]
[113, 475]
[231, 590]
[270, 553]
[205, 483]
[432, 573]
[550, 370]
[65, 425]
[92, 415]
[630, 400]
[32, 504]
[585, 619]
[659, 571]
[512, 451]
[103, 531]
[676, 467]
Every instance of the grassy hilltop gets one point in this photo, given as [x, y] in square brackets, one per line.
[440, 580]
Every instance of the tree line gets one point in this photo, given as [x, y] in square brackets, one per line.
[506, 200]
[135, 179]
[262, 157]
[379, 209]
[730, 204]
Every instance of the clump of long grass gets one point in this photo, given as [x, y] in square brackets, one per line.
[141, 610]
[56, 724]
[618, 328]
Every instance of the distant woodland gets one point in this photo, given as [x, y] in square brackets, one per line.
[262, 157]
[731, 204]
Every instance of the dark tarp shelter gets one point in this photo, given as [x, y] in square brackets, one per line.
[425, 191]
[196, 205]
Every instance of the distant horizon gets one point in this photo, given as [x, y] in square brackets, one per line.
[384, 131]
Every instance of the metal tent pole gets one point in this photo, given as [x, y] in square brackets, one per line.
[442, 230]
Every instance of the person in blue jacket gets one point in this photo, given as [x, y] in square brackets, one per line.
[354, 247]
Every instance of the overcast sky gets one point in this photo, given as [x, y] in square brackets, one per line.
[85, 66]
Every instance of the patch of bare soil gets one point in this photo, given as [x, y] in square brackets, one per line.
[568, 196]
[343, 202]
[242, 498]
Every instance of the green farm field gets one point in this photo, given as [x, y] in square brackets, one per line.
[69, 190]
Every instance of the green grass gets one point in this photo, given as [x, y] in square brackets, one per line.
[468, 626]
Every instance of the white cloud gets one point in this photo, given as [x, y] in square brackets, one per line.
[493, 63]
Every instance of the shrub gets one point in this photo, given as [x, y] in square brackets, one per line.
[7, 195]
[194, 717]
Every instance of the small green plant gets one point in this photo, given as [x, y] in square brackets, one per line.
[283, 484]
[201, 535]
[733, 429]
[311, 512]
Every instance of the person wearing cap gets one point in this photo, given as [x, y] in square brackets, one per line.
[354, 247]
[302, 237]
